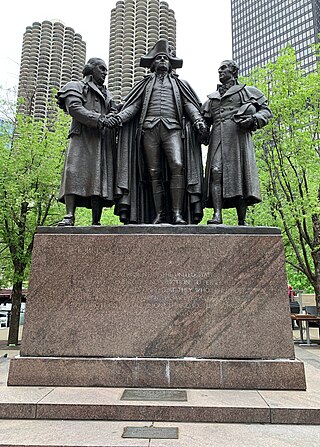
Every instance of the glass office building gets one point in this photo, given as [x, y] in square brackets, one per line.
[261, 28]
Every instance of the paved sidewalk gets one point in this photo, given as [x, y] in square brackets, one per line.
[8, 351]
[58, 410]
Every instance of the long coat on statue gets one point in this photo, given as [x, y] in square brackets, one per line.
[133, 187]
[89, 161]
[239, 167]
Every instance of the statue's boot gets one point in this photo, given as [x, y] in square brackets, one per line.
[124, 214]
[96, 205]
[69, 218]
[159, 202]
[67, 221]
[216, 194]
[177, 191]
[242, 211]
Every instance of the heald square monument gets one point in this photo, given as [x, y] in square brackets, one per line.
[170, 304]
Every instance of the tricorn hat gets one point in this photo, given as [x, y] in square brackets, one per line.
[161, 47]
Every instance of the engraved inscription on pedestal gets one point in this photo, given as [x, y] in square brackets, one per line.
[159, 296]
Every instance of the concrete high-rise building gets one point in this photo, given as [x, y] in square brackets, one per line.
[260, 28]
[52, 55]
[135, 26]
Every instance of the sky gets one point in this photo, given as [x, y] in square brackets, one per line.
[203, 34]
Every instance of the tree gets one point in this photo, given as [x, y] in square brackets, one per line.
[288, 152]
[31, 157]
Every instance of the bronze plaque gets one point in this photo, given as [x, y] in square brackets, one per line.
[151, 432]
[156, 395]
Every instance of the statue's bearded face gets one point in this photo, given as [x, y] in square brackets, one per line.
[161, 63]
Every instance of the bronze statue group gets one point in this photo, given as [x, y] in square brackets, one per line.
[144, 156]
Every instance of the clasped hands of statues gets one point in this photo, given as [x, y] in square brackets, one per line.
[248, 123]
[113, 120]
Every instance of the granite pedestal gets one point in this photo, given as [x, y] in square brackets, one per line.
[158, 306]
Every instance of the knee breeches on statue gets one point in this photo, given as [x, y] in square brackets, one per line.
[157, 140]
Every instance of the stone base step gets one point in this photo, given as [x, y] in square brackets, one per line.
[212, 406]
[257, 374]
[109, 434]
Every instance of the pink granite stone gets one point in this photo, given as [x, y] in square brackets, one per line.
[169, 307]
[158, 373]
[150, 295]
[155, 413]
[302, 416]
[17, 411]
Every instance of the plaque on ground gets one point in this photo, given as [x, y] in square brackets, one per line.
[156, 395]
[151, 432]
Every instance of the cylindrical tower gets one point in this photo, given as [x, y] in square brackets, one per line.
[135, 26]
[52, 55]
[116, 46]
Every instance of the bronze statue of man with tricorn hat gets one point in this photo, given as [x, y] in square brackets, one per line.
[159, 173]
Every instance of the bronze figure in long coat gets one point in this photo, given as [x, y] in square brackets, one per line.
[159, 173]
[88, 174]
[234, 111]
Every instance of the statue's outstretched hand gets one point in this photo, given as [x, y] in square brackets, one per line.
[203, 130]
[201, 126]
[112, 121]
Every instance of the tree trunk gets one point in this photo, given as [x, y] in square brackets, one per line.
[316, 285]
[15, 313]
[316, 282]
